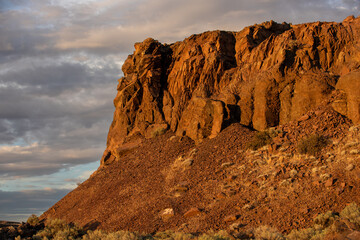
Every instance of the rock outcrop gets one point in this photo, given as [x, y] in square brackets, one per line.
[211, 90]
[262, 76]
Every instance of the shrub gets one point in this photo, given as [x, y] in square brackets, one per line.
[221, 235]
[312, 145]
[303, 234]
[58, 229]
[325, 219]
[120, 235]
[259, 140]
[267, 233]
[351, 213]
[95, 235]
[170, 235]
[33, 220]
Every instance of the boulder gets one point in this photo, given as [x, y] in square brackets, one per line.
[349, 104]
[201, 119]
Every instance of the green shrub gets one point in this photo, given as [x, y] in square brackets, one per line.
[304, 234]
[120, 235]
[326, 219]
[33, 220]
[58, 229]
[95, 235]
[170, 235]
[259, 140]
[312, 145]
[267, 233]
[221, 235]
[352, 213]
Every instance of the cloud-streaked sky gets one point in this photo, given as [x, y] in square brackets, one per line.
[59, 65]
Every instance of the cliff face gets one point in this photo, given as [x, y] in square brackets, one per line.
[303, 79]
[262, 76]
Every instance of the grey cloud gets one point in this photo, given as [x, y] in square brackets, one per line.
[65, 107]
[173, 20]
[15, 206]
[54, 80]
[113, 28]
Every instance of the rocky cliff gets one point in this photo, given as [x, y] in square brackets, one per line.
[262, 76]
[212, 91]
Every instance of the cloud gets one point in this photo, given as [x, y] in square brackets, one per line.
[18, 162]
[19, 205]
[63, 106]
[173, 20]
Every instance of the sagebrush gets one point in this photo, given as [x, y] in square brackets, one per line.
[312, 145]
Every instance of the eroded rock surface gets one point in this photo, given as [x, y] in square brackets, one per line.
[262, 76]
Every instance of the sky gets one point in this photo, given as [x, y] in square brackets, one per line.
[59, 65]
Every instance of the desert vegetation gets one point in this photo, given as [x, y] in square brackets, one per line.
[259, 140]
[312, 144]
[345, 223]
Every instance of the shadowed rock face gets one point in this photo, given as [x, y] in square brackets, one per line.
[262, 76]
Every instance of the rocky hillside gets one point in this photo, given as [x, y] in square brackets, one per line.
[177, 152]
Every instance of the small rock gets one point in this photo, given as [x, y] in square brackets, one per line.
[325, 176]
[193, 151]
[192, 212]
[188, 162]
[355, 151]
[285, 183]
[304, 117]
[248, 207]
[167, 213]
[221, 196]
[235, 226]
[231, 192]
[329, 183]
[172, 138]
[316, 183]
[314, 170]
[232, 178]
[330, 158]
[227, 164]
[304, 210]
[323, 167]
[355, 235]
[293, 173]
[178, 194]
[231, 218]
[339, 190]
[350, 167]
[226, 186]
[351, 144]
[181, 188]
[353, 129]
